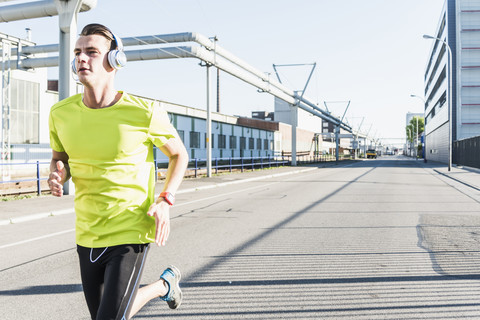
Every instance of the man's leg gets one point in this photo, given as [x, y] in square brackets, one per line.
[124, 267]
[92, 279]
[147, 293]
[167, 288]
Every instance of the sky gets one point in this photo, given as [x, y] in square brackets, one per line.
[368, 52]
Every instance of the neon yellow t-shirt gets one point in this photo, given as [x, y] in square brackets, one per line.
[111, 162]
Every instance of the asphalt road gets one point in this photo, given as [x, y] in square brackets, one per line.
[376, 239]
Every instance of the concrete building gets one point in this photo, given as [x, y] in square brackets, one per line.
[317, 127]
[459, 26]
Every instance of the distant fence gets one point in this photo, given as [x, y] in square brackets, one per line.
[198, 167]
[466, 152]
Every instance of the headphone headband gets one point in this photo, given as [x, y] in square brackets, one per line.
[118, 41]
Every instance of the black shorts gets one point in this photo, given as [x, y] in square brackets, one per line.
[110, 278]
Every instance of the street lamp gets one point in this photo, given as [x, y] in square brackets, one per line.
[450, 94]
[407, 145]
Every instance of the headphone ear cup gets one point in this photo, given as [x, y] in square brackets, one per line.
[74, 68]
[117, 59]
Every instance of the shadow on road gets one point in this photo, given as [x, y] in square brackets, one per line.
[46, 289]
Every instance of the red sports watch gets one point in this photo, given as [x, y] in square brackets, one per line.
[169, 198]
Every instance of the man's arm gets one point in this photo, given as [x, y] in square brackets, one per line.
[59, 172]
[178, 162]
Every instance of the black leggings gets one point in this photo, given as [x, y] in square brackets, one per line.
[110, 278]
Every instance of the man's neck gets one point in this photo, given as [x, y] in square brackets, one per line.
[97, 99]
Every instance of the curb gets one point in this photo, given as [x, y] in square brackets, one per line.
[216, 185]
[36, 216]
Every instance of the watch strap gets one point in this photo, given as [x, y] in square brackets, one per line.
[169, 197]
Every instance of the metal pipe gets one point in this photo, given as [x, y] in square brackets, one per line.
[211, 46]
[241, 73]
[46, 48]
[38, 9]
[193, 52]
[28, 11]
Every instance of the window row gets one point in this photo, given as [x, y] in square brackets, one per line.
[221, 142]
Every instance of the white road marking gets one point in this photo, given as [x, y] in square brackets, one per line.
[37, 238]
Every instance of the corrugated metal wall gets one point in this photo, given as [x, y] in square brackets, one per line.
[466, 152]
[437, 144]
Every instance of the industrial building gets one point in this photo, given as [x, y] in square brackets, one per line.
[459, 27]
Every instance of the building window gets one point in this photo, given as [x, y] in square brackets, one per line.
[243, 143]
[259, 144]
[194, 139]
[181, 134]
[233, 142]
[222, 141]
[24, 110]
[265, 144]
[251, 143]
[442, 100]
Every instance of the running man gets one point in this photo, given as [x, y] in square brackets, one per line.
[103, 139]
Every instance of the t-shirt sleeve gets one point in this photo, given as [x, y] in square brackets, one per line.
[160, 129]
[55, 143]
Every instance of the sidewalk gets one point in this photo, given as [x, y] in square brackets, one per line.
[16, 211]
[467, 176]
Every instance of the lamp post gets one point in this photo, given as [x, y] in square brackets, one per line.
[450, 94]
[407, 145]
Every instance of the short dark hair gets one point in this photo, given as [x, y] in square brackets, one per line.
[100, 29]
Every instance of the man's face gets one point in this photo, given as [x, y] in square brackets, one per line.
[91, 59]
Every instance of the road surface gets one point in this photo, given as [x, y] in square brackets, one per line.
[375, 239]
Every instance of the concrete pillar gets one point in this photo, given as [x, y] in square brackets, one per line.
[67, 21]
[209, 122]
[294, 113]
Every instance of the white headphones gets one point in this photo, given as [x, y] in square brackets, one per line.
[116, 58]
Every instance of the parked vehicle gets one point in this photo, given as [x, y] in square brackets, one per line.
[371, 153]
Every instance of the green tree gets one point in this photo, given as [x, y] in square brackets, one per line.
[411, 128]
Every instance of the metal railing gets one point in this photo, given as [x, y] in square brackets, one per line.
[197, 165]
[16, 173]
[33, 170]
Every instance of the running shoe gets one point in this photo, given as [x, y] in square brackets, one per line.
[172, 276]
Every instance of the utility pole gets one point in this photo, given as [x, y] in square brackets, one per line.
[337, 128]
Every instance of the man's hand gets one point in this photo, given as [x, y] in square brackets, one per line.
[161, 211]
[57, 178]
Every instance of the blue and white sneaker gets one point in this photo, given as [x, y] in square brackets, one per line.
[172, 276]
